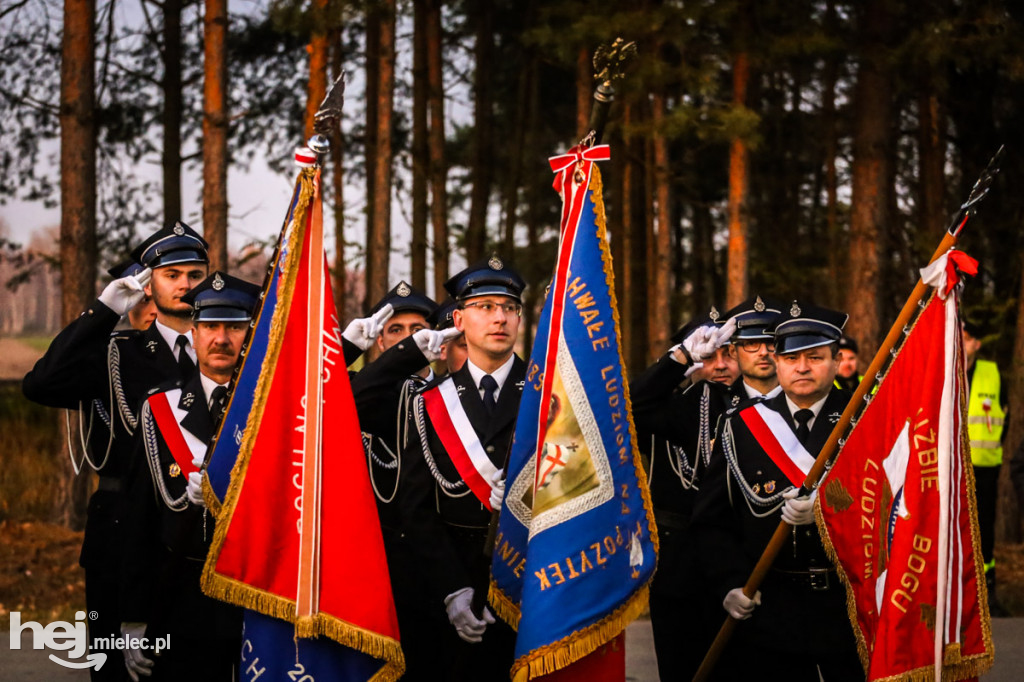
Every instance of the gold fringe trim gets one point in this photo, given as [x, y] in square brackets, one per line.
[596, 188]
[956, 667]
[503, 606]
[568, 650]
[213, 505]
[236, 592]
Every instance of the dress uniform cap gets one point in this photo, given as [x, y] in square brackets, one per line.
[172, 246]
[755, 317]
[805, 326]
[222, 298]
[848, 343]
[404, 297]
[490, 277]
[442, 317]
[713, 317]
[125, 269]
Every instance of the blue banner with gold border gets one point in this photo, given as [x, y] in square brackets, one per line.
[576, 544]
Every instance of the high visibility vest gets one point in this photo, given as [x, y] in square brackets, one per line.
[985, 416]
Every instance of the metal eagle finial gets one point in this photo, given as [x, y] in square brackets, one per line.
[327, 119]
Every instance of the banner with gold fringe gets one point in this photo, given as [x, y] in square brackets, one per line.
[897, 510]
[576, 544]
[297, 539]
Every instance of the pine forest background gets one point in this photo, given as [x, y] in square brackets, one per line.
[810, 149]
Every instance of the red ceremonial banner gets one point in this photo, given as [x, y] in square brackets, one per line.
[897, 514]
[255, 555]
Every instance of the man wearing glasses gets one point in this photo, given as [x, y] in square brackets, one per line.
[452, 468]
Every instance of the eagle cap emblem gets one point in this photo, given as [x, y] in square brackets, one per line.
[759, 305]
[403, 289]
[179, 230]
[714, 314]
[218, 283]
[494, 263]
[794, 310]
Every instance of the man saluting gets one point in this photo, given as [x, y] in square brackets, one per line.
[463, 431]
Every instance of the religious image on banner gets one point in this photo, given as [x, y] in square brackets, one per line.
[576, 544]
[897, 510]
[285, 552]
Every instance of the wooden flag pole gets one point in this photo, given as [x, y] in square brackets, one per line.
[780, 537]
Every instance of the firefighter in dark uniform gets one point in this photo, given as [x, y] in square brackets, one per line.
[799, 614]
[166, 544]
[91, 364]
[383, 390]
[464, 423]
[679, 426]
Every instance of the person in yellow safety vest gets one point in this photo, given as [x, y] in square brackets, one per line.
[986, 412]
[847, 377]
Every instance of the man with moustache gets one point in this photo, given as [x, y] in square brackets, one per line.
[91, 363]
[177, 423]
[463, 428]
[762, 451]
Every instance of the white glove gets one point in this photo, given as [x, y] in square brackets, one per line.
[122, 294]
[134, 660]
[365, 330]
[798, 511]
[738, 605]
[429, 341]
[704, 341]
[194, 489]
[497, 489]
[460, 614]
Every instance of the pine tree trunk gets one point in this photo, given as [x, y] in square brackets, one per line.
[420, 148]
[739, 183]
[517, 150]
[483, 123]
[173, 106]
[836, 247]
[870, 174]
[1011, 496]
[78, 210]
[931, 142]
[660, 317]
[338, 188]
[318, 55]
[379, 247]
[374, 20]
[438, 169]
[215, 132]
[584, 91]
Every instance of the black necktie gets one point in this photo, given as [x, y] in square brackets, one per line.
[185, 365]
[217, 401]
[490, 387]
[803, 431]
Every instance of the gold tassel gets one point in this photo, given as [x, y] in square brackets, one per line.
[503, 606]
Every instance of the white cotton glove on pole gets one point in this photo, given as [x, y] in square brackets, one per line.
[460, 614]
[134, 660]
[430, 342]
[798, 511]
[740, 606]
[497, 489]
[364, 331]
[122, 294]
[194, 489]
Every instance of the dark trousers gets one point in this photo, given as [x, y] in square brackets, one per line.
[101, 558]
[197, 659]
[490, 659]
[986, 489]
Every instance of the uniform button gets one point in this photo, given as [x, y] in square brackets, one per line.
[490, 448]
[401, 346]
[90, 311]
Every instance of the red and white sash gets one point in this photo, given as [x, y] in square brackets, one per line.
[779, 442]
[184, 446]
[459, 438]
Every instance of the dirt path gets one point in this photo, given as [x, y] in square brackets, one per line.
[16, 358]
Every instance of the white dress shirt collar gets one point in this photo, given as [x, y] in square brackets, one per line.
[499, 374]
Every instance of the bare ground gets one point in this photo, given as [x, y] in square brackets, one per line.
[16, 358]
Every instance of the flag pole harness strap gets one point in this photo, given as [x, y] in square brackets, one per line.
[457, 488]
[153, 458]
[114, 367]
[753, 499]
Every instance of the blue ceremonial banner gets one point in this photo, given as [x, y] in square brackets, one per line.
[576, 544]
